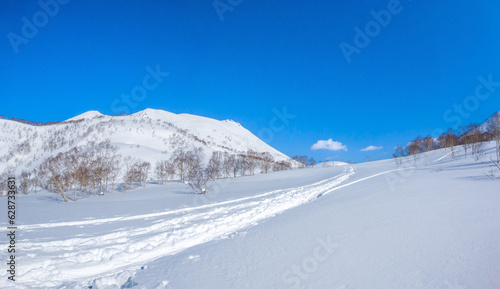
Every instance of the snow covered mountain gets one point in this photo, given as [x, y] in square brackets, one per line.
[149, 135]
[484, 126]
[86, 115]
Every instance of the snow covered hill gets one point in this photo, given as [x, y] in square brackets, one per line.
[149, 135]
[484, 126]
[86, 115]
[369, 225]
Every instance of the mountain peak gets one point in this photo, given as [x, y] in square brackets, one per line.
[152, 113]
[86, 115]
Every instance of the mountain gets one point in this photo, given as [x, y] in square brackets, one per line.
[86, 115]
[484, 126]
[149, 135]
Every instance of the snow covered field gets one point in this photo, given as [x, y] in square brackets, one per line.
[369, 225]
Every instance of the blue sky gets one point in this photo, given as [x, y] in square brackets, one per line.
[250, 60]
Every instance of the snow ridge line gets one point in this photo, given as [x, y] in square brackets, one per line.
[438, 159]
[364, 179]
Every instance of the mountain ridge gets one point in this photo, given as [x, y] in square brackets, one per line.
[150, 134]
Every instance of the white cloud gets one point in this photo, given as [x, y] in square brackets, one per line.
[329, 145]
[371, 148]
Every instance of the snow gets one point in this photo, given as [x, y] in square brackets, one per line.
[86, 115]
[370, 225]
[150, 134]
[483, 127]
[331, 164]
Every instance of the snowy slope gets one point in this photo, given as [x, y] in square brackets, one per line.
[150, 135]
[371, 225]
[86, 115]
[484, 126]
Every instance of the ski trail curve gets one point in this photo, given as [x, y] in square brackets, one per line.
[76, 260]
[82, 257]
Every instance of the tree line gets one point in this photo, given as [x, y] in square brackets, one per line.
[98, 168]
[38, 123]
[305, 161]
[472, 138]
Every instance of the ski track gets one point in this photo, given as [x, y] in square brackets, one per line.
[81, 258]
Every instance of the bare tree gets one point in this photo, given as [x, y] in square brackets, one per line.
[105, 156]
[84, 173]
[465, 137]
[130, 175]
[160, 171]
[198, 179]
[53, 173]
[25, 182]
[251, 161]
[115, 169]
[180, 160]
[478, 151]
[448, 140]
[169, 170]
[8, 172]
[415, 148]
[302, 160]
[80, 167]
[71, 165]
[144, 168]
[236, 165]
[194, 159]
[477, 140]
[243, 164]
[281, 166]
[3, 180]
[228, 164]
[215, 165]
[398, 155]
[428, 144]
[35, 179]
[494, 131]
[267, 161]
[163, 170]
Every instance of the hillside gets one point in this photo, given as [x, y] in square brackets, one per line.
[369, 225]
[494, 118]
[149, 135]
